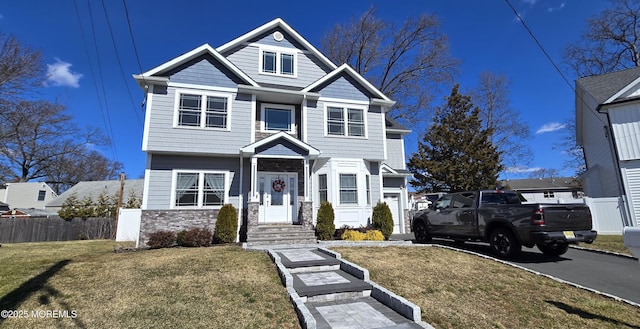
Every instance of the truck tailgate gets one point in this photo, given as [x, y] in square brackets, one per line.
[559, 217]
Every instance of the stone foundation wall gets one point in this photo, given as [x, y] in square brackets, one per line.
[407, 221]
[175, 221]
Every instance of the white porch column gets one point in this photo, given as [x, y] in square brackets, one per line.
[254, 179]
[306, 179]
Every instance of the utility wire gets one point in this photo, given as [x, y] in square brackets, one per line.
[544, 51]
[133, 41]
[93, 76]
[115, 48]
[104, 92]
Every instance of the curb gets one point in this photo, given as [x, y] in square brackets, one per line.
[605, 252]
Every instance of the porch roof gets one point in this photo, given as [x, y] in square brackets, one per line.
[280, 145]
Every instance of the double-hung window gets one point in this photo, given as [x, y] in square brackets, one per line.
[203, 110]
[199, 189]
[277, 61]
[348, 189]
[322, 187]
[346, 121]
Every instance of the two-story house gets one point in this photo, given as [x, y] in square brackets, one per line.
[269, 124]
[608, 129]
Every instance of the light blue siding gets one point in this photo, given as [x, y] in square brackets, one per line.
[206, 71]
[376, 194]
[395, 151]
[161, 175]
[345, 88]
[370, 148]
[247, 58]
[163, 137]
[281, 148]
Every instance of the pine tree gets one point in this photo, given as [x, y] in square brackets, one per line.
[456, 153]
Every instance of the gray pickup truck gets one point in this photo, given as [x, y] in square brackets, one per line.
[500, 218]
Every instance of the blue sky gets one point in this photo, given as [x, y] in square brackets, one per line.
[98, 90]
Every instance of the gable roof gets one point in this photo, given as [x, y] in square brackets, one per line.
[94, 188]
[202, 50]
[382, 99]
[278, 22]
[605, 88]
[251, 148]
[394, 126]
[558, 183]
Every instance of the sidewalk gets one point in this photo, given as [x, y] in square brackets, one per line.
[329, 292]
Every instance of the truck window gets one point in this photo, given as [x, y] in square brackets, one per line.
[500, 198]
[463, 200]
[444, 202]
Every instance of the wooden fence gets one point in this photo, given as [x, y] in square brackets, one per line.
[34, 229]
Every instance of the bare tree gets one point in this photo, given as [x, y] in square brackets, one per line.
[39, 137]
[87, 165]
[611, 42]
[408, 63]
[574, 152]
[544, 173]
[21, 68]
[509, 133]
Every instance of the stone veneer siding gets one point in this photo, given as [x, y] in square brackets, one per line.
[407, 221]
[175, 221]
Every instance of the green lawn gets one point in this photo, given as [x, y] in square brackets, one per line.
[215, 287]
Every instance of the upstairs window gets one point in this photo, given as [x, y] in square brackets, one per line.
[346, 121]
[278, 62]
[277, 117]
[203, 111]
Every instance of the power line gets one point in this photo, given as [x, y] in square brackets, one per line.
[135, 49]
[115, 48]
[104, 92]
[95, 83]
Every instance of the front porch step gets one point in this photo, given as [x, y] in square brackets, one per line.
[280, 235]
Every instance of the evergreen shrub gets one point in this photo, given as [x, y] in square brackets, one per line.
[325, 227]
[382, 219]
[226, 225]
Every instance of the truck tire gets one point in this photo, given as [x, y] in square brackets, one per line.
[503, 243]
[421, 233]
[555, 249]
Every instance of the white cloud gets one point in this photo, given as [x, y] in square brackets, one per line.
[530, 2]
[59, 74]
[552, 9]
[522, 170]
[550, 127]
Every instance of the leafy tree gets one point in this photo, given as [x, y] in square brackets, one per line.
[408, 63]
[456, 153]
[69, 208]
[610, 43]
[508, 133]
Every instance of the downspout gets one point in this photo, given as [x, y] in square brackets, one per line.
[240, 198]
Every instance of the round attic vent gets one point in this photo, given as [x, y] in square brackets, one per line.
[278, 36]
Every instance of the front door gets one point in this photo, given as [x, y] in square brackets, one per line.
[393, 201]
[278, 193]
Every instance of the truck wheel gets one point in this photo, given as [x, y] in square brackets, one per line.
[504, 244]
[420, 231]
[554, 249]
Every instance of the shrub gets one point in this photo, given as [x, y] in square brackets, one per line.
[352, 235]
[325, 228]
[382, 219]
[340, 231]
[374, 235]
[195, 237]
[226, 225]
[161, 239]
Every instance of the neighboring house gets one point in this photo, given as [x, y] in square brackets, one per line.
[27, 195]
[270, 125]
[93, 189]
[608, 128]
[25, 213]
[4, 207]
[547, 190]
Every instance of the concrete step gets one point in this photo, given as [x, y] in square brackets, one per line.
[281, 228]
[329, 286]
[280, 235]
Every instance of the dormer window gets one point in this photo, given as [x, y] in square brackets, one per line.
[278, 62]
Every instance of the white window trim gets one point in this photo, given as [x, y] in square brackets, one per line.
[292, 110]
[358, 189]
[279, 51]
[174, 182]
[203, 109]
[345, 114]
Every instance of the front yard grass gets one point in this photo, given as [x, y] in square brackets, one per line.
[613, 243]
[215, 287]
[458, 290]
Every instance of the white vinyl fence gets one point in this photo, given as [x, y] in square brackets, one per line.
[608, 214]
[129, 225]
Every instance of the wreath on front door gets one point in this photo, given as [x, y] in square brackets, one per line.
[278, 185]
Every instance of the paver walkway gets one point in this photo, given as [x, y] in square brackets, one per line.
[335, 298]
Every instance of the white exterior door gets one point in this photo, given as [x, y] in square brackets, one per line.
[393, 201]
[277, 197]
